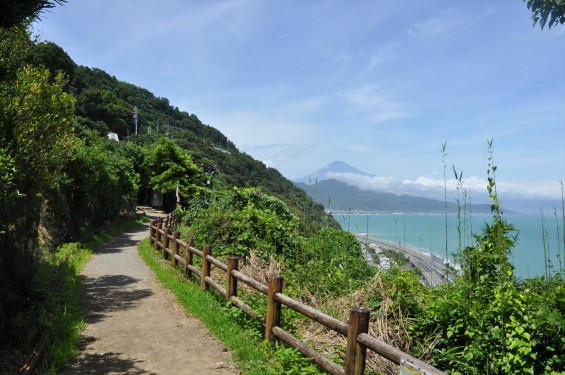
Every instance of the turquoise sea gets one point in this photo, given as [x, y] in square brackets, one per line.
[427, 233]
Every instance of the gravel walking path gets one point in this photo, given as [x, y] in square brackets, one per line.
[135, 326]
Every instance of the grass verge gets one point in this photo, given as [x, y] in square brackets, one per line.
[58, 287]
[250, 353]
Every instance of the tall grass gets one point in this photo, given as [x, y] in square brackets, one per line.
[563, 223]
[558, 238]
[444, 155]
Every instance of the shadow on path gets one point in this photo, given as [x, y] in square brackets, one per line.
[103, 363]
[109, 293]
[119, 243]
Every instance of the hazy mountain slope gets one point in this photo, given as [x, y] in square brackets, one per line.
[338, 196]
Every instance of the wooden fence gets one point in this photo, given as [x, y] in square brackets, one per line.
[356, 330]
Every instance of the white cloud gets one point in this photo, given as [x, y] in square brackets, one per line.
[531, 189]
[434, 187]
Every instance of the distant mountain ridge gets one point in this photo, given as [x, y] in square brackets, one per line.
[338, 196]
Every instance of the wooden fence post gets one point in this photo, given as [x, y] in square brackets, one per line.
[151, 232]
[166, 242]
[231, 283]
[188, 257]
[355, 353]
[176, 236]
[206, 267]
[273, 307]
[158, 235]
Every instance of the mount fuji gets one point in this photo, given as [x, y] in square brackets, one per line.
[329, 172]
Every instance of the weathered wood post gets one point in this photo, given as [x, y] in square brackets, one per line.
[151, 232]
[273, 307]
[176, 236]
[231, 283]
[188, 257]
[355, 353]
[166, 242]
[206, 267]
[158, 235]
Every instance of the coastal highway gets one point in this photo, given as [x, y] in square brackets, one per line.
[433, 269]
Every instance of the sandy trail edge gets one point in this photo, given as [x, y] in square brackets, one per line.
[134, 325]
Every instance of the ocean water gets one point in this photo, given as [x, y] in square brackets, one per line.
[427, 233]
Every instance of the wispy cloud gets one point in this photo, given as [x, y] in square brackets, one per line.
[249, 128]
[276, 155]
[304, 105]
[375, 104]
[441, 24]
[382, 55]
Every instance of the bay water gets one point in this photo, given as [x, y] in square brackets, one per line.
[427, 233]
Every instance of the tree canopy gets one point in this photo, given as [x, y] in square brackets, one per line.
[17, 12]
[544, 10]
[170, 167]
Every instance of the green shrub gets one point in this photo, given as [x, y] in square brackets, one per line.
[238, 220]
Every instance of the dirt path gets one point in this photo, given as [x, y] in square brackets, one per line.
[134, 326]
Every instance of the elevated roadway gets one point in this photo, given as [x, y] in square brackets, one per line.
[434, 271]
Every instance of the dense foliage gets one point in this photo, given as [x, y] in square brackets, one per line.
[170, 169]
[36, 118]
[236, 220]
[547, 10]
[61, 178]
[330, 263]
[239, 221]
[16, 12]
[99, 182]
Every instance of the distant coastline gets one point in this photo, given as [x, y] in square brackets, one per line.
[426, 233]
[393, 212]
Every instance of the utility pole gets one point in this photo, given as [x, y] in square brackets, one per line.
[135, 118]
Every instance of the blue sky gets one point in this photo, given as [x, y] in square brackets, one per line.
[378, 84]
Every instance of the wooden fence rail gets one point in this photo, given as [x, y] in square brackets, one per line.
[355, 331]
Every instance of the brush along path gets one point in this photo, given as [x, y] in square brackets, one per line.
[133, 325]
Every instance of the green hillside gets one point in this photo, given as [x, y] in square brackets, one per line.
[106, 104]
